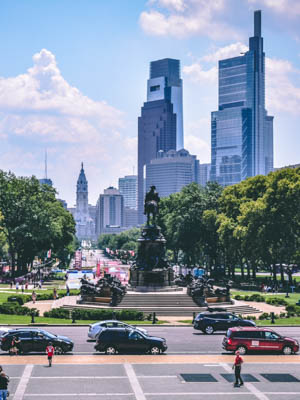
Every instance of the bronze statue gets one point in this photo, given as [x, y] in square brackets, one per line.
[151, 205]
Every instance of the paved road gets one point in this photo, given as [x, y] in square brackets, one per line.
[180, 340]
[141, 381]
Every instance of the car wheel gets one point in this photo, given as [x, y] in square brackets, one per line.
[209, 330]
[154, 350]
[242, 349]
[59, 350]
[287, 350]
[110, 350]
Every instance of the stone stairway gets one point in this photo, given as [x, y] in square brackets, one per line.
[165, 304]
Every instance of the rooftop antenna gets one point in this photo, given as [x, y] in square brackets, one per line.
[46, 174]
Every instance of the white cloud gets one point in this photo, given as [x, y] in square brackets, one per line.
[232, 50]
[196, 73]
[290, 8]
[40, 108]
[282, 86]
[182, 18]
[196, 138]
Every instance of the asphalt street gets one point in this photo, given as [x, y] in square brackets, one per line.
[180, 340]
[130, 381]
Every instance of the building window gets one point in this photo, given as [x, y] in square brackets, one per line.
[154, 88]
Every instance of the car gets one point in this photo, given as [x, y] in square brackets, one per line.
[209, 322]
[36, 340]
[97, 327]
[120, 340]
[3, 330]
[258, 339]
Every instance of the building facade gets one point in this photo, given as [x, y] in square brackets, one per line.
[204, 174]
[160, 126]
[241, 130]
[110, 212]
[171, 171]
[128, 189]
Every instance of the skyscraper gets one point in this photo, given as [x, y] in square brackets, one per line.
[110, 212]
[160, 126]
[171, 171]
[241, 130]
[128, 189]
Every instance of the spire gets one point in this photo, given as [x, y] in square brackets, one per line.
[81, 165]
[257, 23]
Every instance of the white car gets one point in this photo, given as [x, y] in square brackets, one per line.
[97, 327]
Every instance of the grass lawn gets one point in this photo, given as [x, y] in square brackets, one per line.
[278, 322]
[25, 319]
[292, 299]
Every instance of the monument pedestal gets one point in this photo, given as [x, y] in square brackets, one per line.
[152, 280]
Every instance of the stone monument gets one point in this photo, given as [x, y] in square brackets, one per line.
[150, 271]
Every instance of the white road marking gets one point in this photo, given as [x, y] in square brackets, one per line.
[252, 389]
[75, 394]
[211, 365]
[198, 394]
[23, 382]
[136, 387]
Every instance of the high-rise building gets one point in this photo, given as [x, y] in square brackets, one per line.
[171, 171]
[85, 224]
[128, 189]
[160, 126]
[241, 130]
[204, 174]
[110, 212]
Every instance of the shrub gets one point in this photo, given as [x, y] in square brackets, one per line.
[14, 308]
[276, 301]
[238, 297]
[252, 317]
[247, 297]
[20, 299]
[264, 315]
[256, 297]
[89, 314]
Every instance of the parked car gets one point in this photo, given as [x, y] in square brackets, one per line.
[97, 327]
[209, 322]
[36, 340]
[258, 339]
[3, 330]
[120, 340]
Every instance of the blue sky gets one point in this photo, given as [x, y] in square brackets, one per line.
[73, 79]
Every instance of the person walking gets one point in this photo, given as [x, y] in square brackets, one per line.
[4, 379]
[14, 346]
[50, 352]
[68, 289]
[54, 294]
[237, 366]
[33, 296]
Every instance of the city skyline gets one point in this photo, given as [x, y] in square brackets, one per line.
[79, 99]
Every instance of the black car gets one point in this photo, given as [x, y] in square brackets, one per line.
[209, 322]
[36, 340]
[120, 340]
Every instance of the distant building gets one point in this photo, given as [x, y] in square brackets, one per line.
[171, 171]
[288, 166]
[64, 203]
[46, 181]
[130, 217]
[128, 189]
[110, 212]
[241, 130]
[204, 174]
[160, 126]
[85, 224]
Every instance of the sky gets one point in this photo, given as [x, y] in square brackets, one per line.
[73, 78]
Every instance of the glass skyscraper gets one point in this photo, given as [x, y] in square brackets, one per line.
[160, 126]
[241, 130]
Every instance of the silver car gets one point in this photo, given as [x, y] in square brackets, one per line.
[97, 327]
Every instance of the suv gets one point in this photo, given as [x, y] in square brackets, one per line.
[208, 322]
[36, 340]
[261, 339]
[115, 340]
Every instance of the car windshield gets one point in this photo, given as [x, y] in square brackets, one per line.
[48, 334]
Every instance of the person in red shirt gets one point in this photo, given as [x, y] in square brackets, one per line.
[50, 352]
[237, 366]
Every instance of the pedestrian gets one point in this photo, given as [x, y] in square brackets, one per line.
[14, 346]
[17, 286]
[68, 289]
[22, 287]
[33, 296]
[54, 293]
[237, 366]
[26, 285]
[50, 352]
[4, 379]
[11, 284]
[40, 284]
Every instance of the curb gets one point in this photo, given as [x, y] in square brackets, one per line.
[143, 325]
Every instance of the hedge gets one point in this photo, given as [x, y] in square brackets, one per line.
[100, 315]
[13, 308]
[276, 301]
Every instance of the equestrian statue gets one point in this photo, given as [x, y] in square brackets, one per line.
[151, 205]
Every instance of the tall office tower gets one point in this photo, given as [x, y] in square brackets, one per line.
[110, 212]
[171, 171]
[160, 126]
[241, 131]
[128, 189]
[204, 174]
